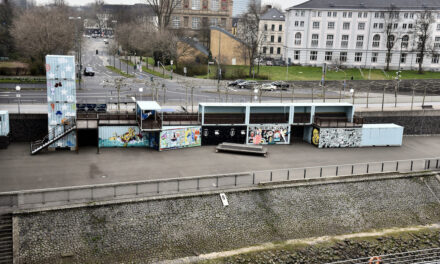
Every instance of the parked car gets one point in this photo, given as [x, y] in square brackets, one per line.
[247, 85]
[88, 71]
[268, 87]
[278, 63]
[269, 63]
[235, 83]
[281, 84]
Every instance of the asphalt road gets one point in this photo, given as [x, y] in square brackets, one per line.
[21, 171]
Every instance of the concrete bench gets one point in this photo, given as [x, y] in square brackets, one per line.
[427, 107]
[241, 148]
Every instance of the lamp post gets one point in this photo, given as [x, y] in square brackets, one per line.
[18, 88]
[78, 46]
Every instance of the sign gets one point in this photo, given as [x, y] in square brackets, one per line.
[224, 199]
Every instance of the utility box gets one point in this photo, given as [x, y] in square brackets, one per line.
[4, 129]
[381, 135]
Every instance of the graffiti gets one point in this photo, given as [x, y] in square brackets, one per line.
[268, 134]
[180, 138]
[315, 137]
[120, 136]
[340, 137]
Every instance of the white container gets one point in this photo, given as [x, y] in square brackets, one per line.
[381, 135]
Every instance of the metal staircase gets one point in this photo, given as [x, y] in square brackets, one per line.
[6, 254]
[53, 136]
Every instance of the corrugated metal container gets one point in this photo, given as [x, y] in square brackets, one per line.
[61, 95]
[4, 123]
[381, 135]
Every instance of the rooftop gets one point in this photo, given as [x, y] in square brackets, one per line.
[369, 4]
[274, 104]
[273, 14]
[148, 105]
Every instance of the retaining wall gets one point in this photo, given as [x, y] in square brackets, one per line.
[159, 229]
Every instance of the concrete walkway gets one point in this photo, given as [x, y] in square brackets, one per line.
[20, 171]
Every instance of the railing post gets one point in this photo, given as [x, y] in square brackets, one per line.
[235, 180]
[43, 197]
[137, 189]
[158, 190]
[397, 165]
[253, 178]
[270, 175]
[288, 174]
[198, 183]
[305, 172]
[382, 167]
[429, 164]
[436, 164]
[320, 172]
[337, 169]
[91, 193]
[178, 186]
[352, 169]
[114, 191]
[216, 184]
[412, 162]
[68, 195]
[368, 167]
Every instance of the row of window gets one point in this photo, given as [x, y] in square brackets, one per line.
[198, 4]
[197, 22]
[280, 27]
[272, 39]
[359, 41]
[271, 50]
[345, 14]
[358, 56]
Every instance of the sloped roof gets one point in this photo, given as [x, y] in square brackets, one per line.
[273, 14]
[227, 33]
[369, 4]
[195, 44]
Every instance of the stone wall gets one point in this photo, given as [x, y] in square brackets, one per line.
[421, 122]
[160, 229]
[340, 137]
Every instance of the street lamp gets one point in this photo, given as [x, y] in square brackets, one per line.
[141, 90]
[78, 46]
[18, 88]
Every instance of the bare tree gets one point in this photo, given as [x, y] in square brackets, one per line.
[391, 20]
[163, 10]
[248, 32]
[41, 31]
[6, 16]
[423, 36]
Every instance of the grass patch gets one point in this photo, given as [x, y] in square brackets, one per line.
[116, 70]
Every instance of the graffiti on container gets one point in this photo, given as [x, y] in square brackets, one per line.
[180, 138]
[315, 136]
[121, 137]
[268, 134]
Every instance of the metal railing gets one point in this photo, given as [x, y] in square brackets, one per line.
[338, 122]
[129, 190]
[431, 255]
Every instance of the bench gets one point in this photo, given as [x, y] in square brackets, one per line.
[242, 148]
[427, 107]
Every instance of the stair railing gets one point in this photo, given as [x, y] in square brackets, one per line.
[52, 135]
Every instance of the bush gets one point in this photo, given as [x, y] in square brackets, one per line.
[191, 70]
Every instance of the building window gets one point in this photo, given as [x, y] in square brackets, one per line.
[329, 42]
[215, 5]
[272, 39]
[343, 56]
[214, 21]
[302, 24]
[350, 14]
[405, 15]
[410, 26]
[315, 38]
[395, 25]
[403, 58]
[335, 14]
[404, 26]
[195, 5]
[331, 25]
[374, 56]
[328, 55]
[437, 42]
[195, 22]
[382, 15]
[176, 22]
[271, 50]
[344, 14]
[376, 41]
[278, 50]
[359, 41]
[376, 15]
[279, 39]
[344, 41]
[280, 28]
[329, 14]
[313, 55]
[296, 57]
[375, 25]
[264, 50]
[315, 25]
[319, 13]
[418, 58]
[186, 21]
[435, 58]
[273, 27]
[223, 22]
[298, 38]
[405, 40]
[380, 25]
[265, 27]
[391, 39]
[303, 13]
[365, 14]
[358, 57]
[346, 25]
[359, 14]
[296, 23]
[361, 26]
[438, 26]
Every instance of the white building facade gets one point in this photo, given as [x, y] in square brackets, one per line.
[272, 33]
[352, 34]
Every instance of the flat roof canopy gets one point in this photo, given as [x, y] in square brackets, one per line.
[273, 104]
[148, 105]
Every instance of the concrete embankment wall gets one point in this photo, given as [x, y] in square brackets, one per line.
[168, 228]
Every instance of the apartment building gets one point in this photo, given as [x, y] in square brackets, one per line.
[353, 33]
[271, 28]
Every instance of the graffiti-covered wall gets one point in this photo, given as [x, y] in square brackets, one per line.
[125, 136]
[180, 137]
[268, 134]
[61, 96]
[336, 137]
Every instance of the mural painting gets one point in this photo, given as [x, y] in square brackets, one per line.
[268, 134]
[122, 136]
[315, 136]
[173, 138]
[339, 137]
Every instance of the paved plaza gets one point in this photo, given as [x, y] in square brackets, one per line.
[21, 171]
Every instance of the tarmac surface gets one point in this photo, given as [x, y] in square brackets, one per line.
[21, 171]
